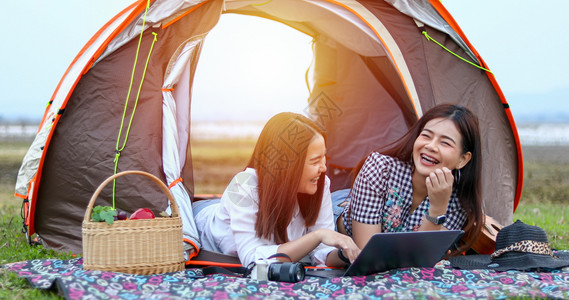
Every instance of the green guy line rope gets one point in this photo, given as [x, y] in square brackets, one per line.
[118, 148]
[429, 38]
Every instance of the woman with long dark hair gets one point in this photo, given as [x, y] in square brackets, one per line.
[427, 180]
[280, 203]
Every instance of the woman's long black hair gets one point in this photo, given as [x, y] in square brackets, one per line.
[468, 179]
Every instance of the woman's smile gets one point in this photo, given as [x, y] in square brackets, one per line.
[314, 167]
[439, 145]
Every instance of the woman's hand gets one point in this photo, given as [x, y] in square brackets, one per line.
[439, 188]
[340, 241]
[300, 247]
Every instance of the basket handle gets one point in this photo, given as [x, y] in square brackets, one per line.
[155, 179]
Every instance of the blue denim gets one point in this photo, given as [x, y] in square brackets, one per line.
[201, 204]
[339, 197]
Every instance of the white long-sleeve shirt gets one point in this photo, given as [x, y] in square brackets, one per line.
[229, 227]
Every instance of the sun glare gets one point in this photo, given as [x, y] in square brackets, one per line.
[251, 68]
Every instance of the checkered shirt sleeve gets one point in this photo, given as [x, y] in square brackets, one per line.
[368, 191]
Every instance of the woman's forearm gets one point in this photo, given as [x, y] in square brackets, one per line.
[300, 247]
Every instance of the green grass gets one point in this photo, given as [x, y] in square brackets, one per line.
[13, 287]
[544, 201]
[552, 217]
[14, 248]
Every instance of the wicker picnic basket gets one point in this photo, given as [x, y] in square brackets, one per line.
[142, 246]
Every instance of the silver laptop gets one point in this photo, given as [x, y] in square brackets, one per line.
[386, 251]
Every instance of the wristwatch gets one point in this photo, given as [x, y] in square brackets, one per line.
[342, 256]
[439, 220]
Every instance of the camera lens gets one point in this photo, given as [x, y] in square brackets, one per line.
[286, 272]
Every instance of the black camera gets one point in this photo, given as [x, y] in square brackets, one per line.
[274, 270]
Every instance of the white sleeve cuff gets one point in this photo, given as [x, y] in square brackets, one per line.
[319, 255]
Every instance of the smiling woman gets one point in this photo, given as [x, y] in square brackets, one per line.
[280, 204]
[251, 68]
[422, 182]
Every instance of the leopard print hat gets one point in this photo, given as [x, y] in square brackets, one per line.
[518, 247]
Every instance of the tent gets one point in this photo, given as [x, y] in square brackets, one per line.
[377, 66]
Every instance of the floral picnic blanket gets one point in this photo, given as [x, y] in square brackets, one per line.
[441, 281]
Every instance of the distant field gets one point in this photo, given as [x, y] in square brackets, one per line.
[546, 174]
[217, 161]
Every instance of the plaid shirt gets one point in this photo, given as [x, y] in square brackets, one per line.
[383, 194]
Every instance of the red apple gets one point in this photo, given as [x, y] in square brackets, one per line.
[142, 213]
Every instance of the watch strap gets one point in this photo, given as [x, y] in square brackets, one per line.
[342, 257]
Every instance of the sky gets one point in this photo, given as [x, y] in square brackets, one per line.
[523, 42]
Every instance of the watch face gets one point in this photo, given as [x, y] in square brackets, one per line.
[438, 220]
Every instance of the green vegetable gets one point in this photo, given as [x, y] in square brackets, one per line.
[104, 213]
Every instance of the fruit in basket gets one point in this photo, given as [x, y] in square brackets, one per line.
[142, 213]
[122, 215]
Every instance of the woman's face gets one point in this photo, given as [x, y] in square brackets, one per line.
[314, 166]
[439, 145]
